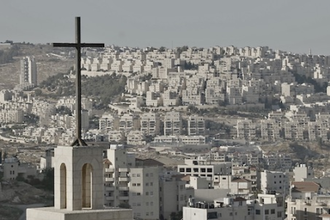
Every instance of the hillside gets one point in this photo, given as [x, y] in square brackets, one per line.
[47, 64]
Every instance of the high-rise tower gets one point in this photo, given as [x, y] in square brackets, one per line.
[28, 74]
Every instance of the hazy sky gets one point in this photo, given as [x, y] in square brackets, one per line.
[292, 25]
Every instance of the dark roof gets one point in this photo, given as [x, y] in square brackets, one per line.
[148, 162]
[305, 186]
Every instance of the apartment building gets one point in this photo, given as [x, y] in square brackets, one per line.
[11, 116]
[150, 123]
[274, 182]
[128, 122]
[246, 129]
[106, 123]
[173, 193]
[116, 175]
[28, 74]
[269, 130]
[172, 123]
[203, 168]
[306, 202]
[196, 125]
[236, 208]
[144, 192]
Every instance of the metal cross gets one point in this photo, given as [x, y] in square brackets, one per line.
[78, 45]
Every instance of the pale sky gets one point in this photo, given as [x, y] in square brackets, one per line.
[291, 25]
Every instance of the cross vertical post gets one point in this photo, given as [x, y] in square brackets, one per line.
[78, 81]
[78, 45]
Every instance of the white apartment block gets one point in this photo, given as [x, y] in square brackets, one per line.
[115, 136]
[28, 73]
[150, 123]
[106, 123]
[306, 202]
[136, 138]
[237, 208]
[294, 131]
[173, 194]
[196, 125]
[302, 172]
[246, 129]
[269, 130]
[172, 123]
[170, 98]
[153, 99]
[11, 116]
[5, 95]
[198, 168]
[144, 192]
[128, 122]
[274, 182]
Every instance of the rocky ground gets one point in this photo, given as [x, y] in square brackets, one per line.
[15, 196]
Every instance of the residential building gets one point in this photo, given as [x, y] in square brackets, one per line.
[172, 123]
[28, 75]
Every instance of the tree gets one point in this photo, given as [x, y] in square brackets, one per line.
[48, 181]
[37, 92]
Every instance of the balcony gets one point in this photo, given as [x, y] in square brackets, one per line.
[109, 198]
[123, 179]
[108, 179]
[109, 170]
[124, 170]
[109, 188]
[123, 197]
[123, 188]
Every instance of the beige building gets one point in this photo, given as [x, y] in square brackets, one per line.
[172, 123]
[237, 208]
[150, 124]
[306, 202]
[196, 125]
[246, 129]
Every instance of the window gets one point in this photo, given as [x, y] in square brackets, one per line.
[203, 170]
[279, 214]
[147, 184]
[257, 211]
[147, 193]
[151, 183]
[138, 184]
[209, 170]
[138, 194]
[181, 170]
[272, 211]
[138, 175]
[134, 184]
[188, 170]
[266, 211]
[212, 215]
[147, 174]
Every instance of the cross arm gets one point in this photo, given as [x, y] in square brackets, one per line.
[75, 45]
